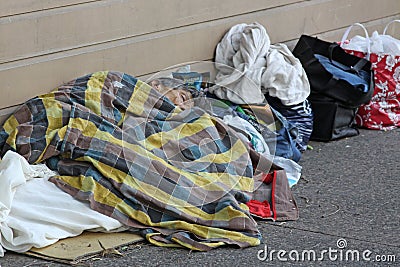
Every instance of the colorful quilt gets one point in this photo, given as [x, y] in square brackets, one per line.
[182, 177]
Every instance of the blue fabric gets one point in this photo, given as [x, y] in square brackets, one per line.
[300, 115]
[284, 139]
[356, 78]
[285, 143]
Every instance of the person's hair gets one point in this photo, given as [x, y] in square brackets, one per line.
[176, 84]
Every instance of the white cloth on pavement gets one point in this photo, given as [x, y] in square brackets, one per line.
[35, 213]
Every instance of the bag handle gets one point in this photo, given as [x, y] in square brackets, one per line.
[346, 34]
[353, 69]
[387, 25]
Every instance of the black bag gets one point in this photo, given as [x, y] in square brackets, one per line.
[332, 121]
[327, 83]
[340, 83]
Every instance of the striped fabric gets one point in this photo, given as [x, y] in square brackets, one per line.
[181, 177]
[301, 116]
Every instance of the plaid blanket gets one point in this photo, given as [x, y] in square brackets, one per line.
[181, 177]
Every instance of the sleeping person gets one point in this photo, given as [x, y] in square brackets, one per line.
[176, 90]
[282, 146]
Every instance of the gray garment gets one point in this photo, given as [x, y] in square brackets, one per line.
[246, 63]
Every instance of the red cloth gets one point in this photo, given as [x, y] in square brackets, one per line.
[268, 178]
[259, 208]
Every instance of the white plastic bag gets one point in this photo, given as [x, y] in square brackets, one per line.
[358, 42]
[390, 45]
[376, 43]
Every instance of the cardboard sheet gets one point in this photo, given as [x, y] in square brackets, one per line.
[74, 249]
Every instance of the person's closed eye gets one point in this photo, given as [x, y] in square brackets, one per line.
[183, 97]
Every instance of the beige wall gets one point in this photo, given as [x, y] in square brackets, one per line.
[46, 43]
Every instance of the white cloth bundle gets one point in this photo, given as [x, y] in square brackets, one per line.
[246, 62]
[35, 213]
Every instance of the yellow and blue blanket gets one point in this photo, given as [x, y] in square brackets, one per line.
[181, 177]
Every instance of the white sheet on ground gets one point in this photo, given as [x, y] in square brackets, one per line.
[35, 213]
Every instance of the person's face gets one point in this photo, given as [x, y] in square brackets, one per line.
[179, 97]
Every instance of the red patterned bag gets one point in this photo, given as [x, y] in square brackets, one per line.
[383, 111]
